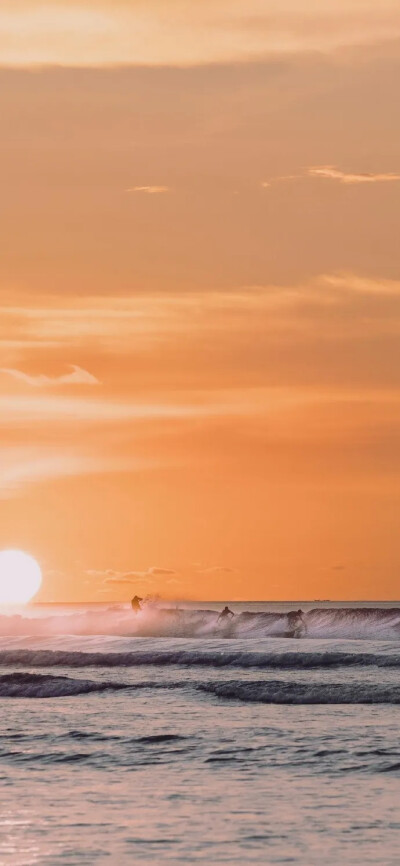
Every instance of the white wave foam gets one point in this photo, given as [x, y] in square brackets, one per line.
[329, 623]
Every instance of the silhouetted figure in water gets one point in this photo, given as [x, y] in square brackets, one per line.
[225, 614]
[296, 624]
[135, 603]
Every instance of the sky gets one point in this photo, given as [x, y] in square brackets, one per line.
[200, 297]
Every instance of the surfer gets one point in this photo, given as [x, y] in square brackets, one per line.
[225, 613]
[135, 604]
[296, 624]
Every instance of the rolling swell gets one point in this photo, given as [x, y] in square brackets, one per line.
[31, 685]
[24, 684]
[28, 685]
[196, 659]
[281, 692]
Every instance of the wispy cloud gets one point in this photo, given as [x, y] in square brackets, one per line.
[331, 172]
[77, 376]
[354, 284]
[112, 578]
[20, 467]
[134, 576]
[60, 410]
[136, 32]
[162, 330]
[131, 323]
[119, 577]
[149, 190]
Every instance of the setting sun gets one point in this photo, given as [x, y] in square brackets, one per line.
[20, 577]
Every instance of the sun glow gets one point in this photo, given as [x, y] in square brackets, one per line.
[20, 577]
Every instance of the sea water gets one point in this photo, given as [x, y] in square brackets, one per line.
[168, 737]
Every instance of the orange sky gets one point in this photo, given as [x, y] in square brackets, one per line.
[200, 297]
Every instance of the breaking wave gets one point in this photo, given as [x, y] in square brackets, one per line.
[352, 623]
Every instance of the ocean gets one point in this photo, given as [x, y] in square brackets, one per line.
[168, 737]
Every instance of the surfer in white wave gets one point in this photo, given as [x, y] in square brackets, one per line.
[296, 624]
[135, 604]
[225, 614]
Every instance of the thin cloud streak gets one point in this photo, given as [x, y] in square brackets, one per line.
[149, 190]
[60, 410]
[110, 577]
[330, 172]
[143, 577]
[77, 376]
[21, 467]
